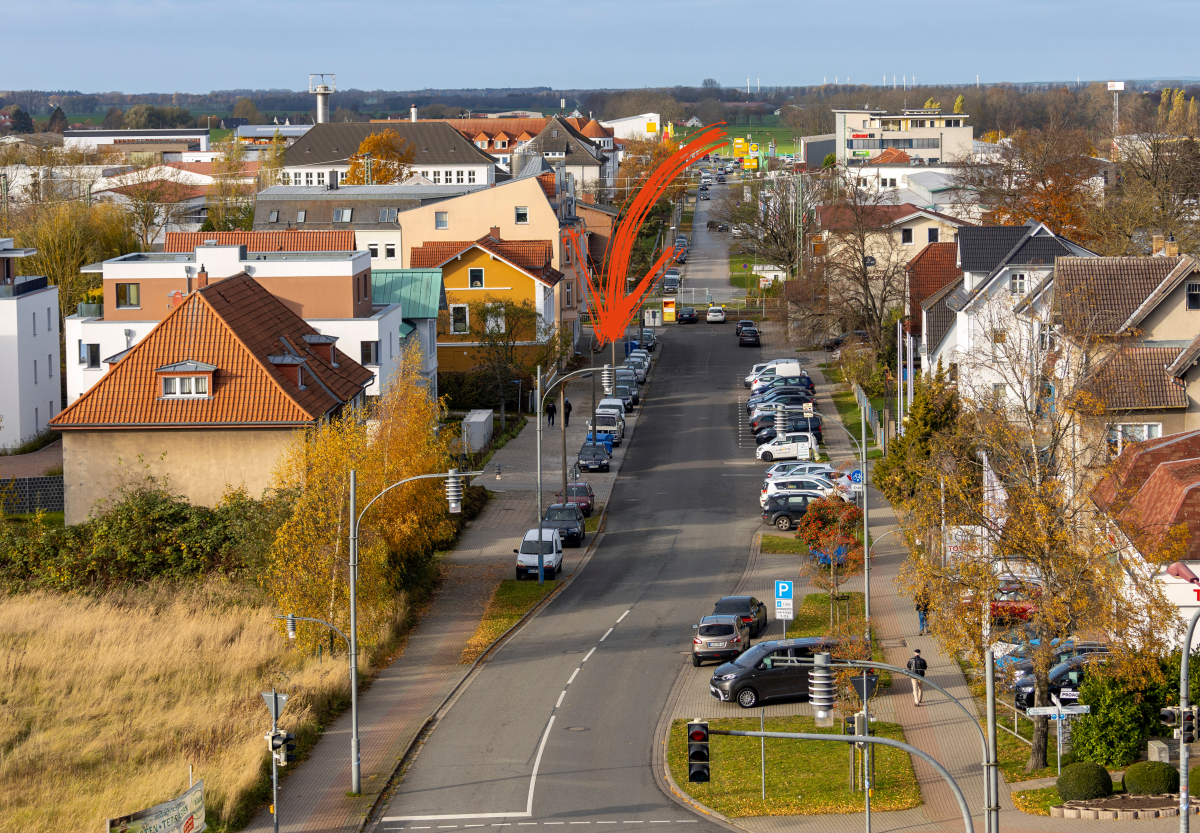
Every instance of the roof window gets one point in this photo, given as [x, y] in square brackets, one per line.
[342, 215]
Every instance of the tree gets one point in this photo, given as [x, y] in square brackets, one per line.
[230, 198]
[709, 86]
[21, 121]
[711, 111]
[155, 197]
[830, 531]
[639, 159]
[958, 104]
[930, 104]
[933, 412]
[245, 109]
[114, 119]
[391, 159]
[58, 121]
[270, 169]
[770, 218]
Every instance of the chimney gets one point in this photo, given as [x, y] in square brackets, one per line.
[1157, 244]
[495, 233]
[201, 277]
[412, 113]
[1172, 247]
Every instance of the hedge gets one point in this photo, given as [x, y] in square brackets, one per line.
[1083, 781]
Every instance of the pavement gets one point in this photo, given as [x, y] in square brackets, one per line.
[34, 464]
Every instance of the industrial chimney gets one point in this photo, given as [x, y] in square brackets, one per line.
[322, 90]
[412, 113]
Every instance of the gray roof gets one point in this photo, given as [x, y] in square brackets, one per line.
[981, 248]
[933, 180]
[938, 316]
[1035, 246]
[559, 137]
[165, 133]
[434, 143]
[364, 201]
[366, 192]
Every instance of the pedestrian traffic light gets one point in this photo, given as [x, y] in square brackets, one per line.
[1187, 725]
[821, 690]
[282, 747]
[698, 752]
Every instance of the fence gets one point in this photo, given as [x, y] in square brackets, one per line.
[872, 415]
[24, 495]
[1018, 715]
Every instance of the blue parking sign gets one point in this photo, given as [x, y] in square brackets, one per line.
[783, 589]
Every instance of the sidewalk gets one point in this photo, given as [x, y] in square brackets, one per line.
[396, 707]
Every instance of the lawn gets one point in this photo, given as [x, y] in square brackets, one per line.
[592, 524]
[812, 619]
[1036, 802]
[778, 543]
[804, 777]
[851, 417]
[510, 601]
[743, 278]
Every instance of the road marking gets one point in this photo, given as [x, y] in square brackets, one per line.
[556, 705]
[623, 615]
[610, 630]
[575, 673]
[474, 825]
[631, 822]
[581, 822]
[548, 823]
[537, 762]
[589, 654]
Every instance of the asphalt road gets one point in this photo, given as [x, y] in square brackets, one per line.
[577, 694]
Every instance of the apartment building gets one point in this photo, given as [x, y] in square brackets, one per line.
[30, 388]
[926, 134]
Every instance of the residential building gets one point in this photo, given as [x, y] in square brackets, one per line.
[422, 297]
[501, 138]
[928, 186]
[149, 141]
[286, 240]
[560, 144]
[29, 343]
[209, 397]
[441, 154]
[926, 134]
[330, 290]
[485, 269]
[643, 126]
[934, 267]
[903, 230]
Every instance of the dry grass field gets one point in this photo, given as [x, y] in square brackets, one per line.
[105, 701]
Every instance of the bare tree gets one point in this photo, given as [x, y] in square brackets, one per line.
[156, 198]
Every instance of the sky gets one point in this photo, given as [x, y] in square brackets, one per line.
[138, 46]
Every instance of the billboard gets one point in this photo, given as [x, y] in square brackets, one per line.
[184, 814]
[1116, 85]
[963, 542]
[861, 153]
[668, 310]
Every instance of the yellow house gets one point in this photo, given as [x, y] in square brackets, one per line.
[487, 269]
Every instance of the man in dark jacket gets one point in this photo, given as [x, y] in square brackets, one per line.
[567, 414]
[551, 410]
[917, 665]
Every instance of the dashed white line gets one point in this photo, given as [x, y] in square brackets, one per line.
[479, 825]
[610, 630]
[556, 705]
[589, 655]
[575, 673]
[581, 822]
[553, 822]
[623, 615]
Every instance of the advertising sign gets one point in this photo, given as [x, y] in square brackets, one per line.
[739, 147]
[861, 153]
[962, 542]
[754, 147]
[651, 128]
[860, 135]
[668, 310]
[1116, 85]
[181, 815]
[750, 163]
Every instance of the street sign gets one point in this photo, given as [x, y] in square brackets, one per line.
[275, 703]
[1051, 711]
[784, 613]
[864, 686]
[868, 261]
[808, 409]
[857, 488]
[856, 476]
[783, 589]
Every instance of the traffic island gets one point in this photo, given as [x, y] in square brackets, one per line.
[803, 778]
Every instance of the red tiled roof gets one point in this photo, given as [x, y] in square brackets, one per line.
[166, 189]
[532, 256]
[235, 325]
[287, 240]
[547, 182]
[1137, 462]
[594, 130]
[890, 156]
[933, 268]
[1136, 378]
[249, 168]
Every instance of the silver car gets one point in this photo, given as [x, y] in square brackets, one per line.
[721, 638]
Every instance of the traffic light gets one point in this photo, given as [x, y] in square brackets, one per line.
[821, 690]
[1187, 726]
[860, 728]
[1168, 717]
[282, 747]
[698, 752]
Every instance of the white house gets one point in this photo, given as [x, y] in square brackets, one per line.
[195, 138]
[643, 126]
[30, 390]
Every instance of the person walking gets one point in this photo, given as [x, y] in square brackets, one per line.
[922, 604]
[551, 410]
[567, 414]
[917, 665]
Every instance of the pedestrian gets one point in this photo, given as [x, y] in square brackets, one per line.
[551, 410]
[922, 603]
[567, 414]
[917, 665]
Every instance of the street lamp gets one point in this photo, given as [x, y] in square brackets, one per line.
[454, 492]
[541, 562]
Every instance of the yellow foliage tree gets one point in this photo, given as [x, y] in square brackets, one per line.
[391, 160]
[930, 104]
[958, 104]
[1177, 124]
[309, 572]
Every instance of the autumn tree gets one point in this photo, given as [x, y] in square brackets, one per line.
[383, 158]
[958, 104]
[639, 159]
[270, 169]
[245, 109]
[230, 198]
[114, 119]
[156, 198]
[934, 411]
[830, 530]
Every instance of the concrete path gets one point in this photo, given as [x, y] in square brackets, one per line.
[34, 464]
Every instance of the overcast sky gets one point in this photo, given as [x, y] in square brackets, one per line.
[157, 46]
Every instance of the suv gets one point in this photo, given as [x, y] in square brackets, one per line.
[670, 286]
[1065, 680]
[752, 611]
[719, 637]
[785, 510]
[552, 553]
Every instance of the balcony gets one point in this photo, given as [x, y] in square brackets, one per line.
[22, 285]
[89, 310]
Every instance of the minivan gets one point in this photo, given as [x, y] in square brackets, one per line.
[610, 424]
[670, 286]
[552, 553]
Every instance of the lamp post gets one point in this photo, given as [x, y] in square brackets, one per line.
[454, 498]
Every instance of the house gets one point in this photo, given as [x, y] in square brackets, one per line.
[488, 268]
[138, 146]
[29, 333]
[926, 133]
[643, 126]
[903, 230]
[288, 240]
[212, 395]
[441, 154]
[331, 290]
[586, 160]
[694, 121]
[933, 268]
[421, 294]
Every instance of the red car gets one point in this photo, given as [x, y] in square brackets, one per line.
[582, 494]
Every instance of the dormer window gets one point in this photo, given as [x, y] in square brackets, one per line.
[184, 387]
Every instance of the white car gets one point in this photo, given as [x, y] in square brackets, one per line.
[552, 554]
[716, 315]
[759, 368]
[638, 369]
[798, 445]
[812, 485]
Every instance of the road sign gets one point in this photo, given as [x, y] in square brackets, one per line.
[856, 476]
[866, 683]
[783, 589]
[1051, 711]
[275, 703]
[857, 488]
[808, 409]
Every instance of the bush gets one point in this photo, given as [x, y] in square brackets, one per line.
[1083, 781]
[1151, 778]
[1115, 732]
[1193, 774]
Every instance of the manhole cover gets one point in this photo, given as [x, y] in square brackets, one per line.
[577, 728]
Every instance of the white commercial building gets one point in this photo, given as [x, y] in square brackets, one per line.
[926, 134]
[644, 126]
[30, 390]
[196, 138]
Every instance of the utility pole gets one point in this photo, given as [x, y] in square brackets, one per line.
[866, 528]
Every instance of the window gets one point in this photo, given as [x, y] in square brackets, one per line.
[495, 322]
[482, 143]
[307, 179]
[425, 174]
[273, 217]
[475, 278]
[503, 143]
[35, 371]
[459, 319]
[522, 215]
[284, 178]
[342, 215]
[89, 354]
[1135, 432]
[370, 353]
[471, 177]
[449, 177]
[554, 133]
[459, 178]
[567, 294]
[184, 386]
[933, 235]
[999, 336]
[441, 220]
[33, 315]
[49, 321]
[437, 177]
[389, 251]
[387, 215]
[906, 236]
[49, 367]
[999, 392]
[373, 248]
[1016, 285]
[320, 177]
[1193, 296]
[129, 296]
[300, 215]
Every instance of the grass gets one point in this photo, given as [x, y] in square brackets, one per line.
[812, 619]
[739, 277]
[592, 524]
[35, 443]
[510, 601]
[804, 777]
[778, 543]
[51, 519]
[1036, 802]
[108, 699]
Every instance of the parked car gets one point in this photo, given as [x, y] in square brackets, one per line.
[567, 518]
[552, 553]
[672, 272]
[612, 404]
[638, 367]
[581, 495]
[681, 253]
[716, 315]
[624, 393]
[852, 337]
[649, 340]
[755, 676]
[593, 457]
[811, 484]
[611, 426]
[799, 445]
[745, 322]
[748, 337]
[766, 433]
[722, 227]
[1065, 680]
[779, 370]
[770, 394]
[765, 386]
[687, 315]
[785, 510]
[670, 286]
[1066, 650]
[789, 399]
[751, 610]
[782, 469]
[719, 637]
[756, 372]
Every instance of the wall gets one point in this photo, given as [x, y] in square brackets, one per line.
[28, 399]
[383, 326]
[364, 237]
[201, 464]
[110, 335]
[1171, 320]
